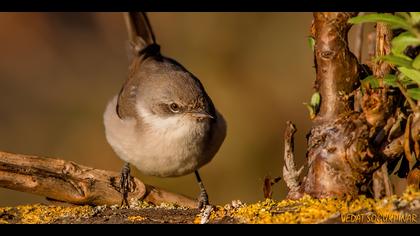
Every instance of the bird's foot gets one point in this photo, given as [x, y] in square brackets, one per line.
[125, 185]
[205, 214]
[203, 200]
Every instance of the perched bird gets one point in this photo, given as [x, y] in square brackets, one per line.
[162, 121]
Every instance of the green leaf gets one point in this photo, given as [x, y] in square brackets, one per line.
[311, 42]
[411, 73]
[402, 41]
[315, 100]
[414, 93]
[415, 17]
[404, 15]
[416, 63]
[396, 60]
[394, 21]
[405, 80]
[372, 80]
[390, 80]
[312, 112]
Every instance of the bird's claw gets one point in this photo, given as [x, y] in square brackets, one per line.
[125, 185]
[203, 200]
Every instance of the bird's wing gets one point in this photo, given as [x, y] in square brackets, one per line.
[140, 36]
[126, 102]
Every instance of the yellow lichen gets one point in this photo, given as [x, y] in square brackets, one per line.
[311, 210]
[304, 210]
[42, 214]
[136, 218]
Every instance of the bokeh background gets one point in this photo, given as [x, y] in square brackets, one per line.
[58, 70]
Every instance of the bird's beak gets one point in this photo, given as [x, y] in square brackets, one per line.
[201, 114]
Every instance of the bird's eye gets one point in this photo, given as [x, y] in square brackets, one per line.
[174, 107]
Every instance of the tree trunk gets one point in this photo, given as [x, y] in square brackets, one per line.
[354, 130]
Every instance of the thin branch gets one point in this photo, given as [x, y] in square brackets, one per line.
[387, 183]
[268, 186]
[376, 115]
[407, 149]
[290, 174]
[69, 182]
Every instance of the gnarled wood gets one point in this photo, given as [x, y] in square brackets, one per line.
[290, 174]
[69, 182]
[338, 149]
[349, 143]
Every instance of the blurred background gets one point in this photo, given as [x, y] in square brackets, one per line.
[58, 71]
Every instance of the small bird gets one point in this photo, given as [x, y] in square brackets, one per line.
[162, 121]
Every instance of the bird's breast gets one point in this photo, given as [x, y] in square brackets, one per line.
[172, 146]
[164, 147]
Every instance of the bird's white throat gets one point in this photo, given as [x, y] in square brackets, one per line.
[168, 127]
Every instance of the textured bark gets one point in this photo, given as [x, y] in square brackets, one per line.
[290, 174]
[339, 157]
[378, 106]
[66, 181]
[336, 66]
[413, 177]
[358, 129]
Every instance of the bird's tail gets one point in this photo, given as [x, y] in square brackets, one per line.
[140, 33]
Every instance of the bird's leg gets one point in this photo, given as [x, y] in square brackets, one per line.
[204, 198]
[125, 184]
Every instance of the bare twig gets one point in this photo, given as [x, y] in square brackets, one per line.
[290, 174]
[383, 47]
[387, 183]
[407, 149]
[268, 185]
[377, 114]
[69, 182]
